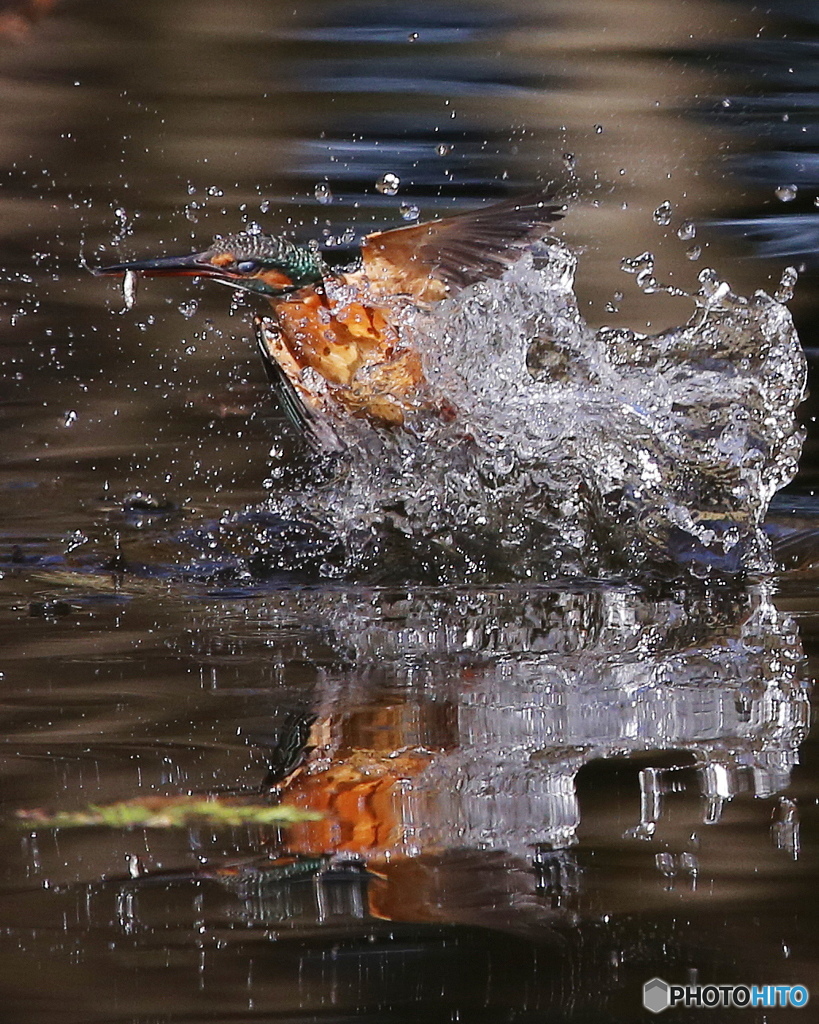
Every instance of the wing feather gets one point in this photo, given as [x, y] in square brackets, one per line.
[429, 261]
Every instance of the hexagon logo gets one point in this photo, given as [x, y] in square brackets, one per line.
[656, 995]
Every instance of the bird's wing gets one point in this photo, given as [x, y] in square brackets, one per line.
[311, 424]
[429, 261]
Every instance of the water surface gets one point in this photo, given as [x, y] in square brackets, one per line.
[538, 795]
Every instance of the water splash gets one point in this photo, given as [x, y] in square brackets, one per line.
[574, 451]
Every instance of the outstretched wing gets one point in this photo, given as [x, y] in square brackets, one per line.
[432, 260]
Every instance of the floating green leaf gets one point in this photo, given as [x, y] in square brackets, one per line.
[169, 812]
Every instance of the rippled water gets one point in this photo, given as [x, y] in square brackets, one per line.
[570, 764]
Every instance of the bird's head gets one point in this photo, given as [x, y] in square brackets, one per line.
[264, 264]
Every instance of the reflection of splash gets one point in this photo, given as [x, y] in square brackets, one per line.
[575, 451]
[449, 728]
[478, 744]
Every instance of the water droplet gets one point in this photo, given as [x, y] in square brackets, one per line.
[664, 213]
[646, 281]
[413, 37]
[636, 264]
[686, 231]
[569, 160]
[323, 193]
[189, 308]
[70, 418]
[694, 252]
[786, 193]
[442, 149]
[665, 864]
[787, 283]
[726, 103]
[191, 190]
[388, 184]
[711, 284]
[598, 128]
[264, 206]
[409, 211]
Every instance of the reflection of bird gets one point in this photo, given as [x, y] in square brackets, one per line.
[344, 325]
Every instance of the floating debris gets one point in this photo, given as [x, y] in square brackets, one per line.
[168, 812]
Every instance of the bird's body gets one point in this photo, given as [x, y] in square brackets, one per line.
[333, 343]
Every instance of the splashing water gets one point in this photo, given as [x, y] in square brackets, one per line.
[574, 451]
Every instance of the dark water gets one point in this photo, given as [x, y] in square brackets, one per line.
[538, 797]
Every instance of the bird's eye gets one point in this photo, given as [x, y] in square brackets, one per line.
[247, 266]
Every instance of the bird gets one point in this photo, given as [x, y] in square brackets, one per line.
[333, 345]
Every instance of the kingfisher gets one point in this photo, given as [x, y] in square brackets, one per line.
[333, 345]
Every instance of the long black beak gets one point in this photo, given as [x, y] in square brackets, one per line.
[195, 265]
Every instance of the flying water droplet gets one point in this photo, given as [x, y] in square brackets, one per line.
[787, 283]
[388, 184]
[694, 252]
[264, 206]
[413, 37]
[189, 308]
[409, 211]
[664, 213]
[712, 287]
[636, 264]
[569, 159]
[323, 193]
[70, 418]
[786, 193]
[646, 282]
[598, 128]
[686, 231]
[442, 149]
